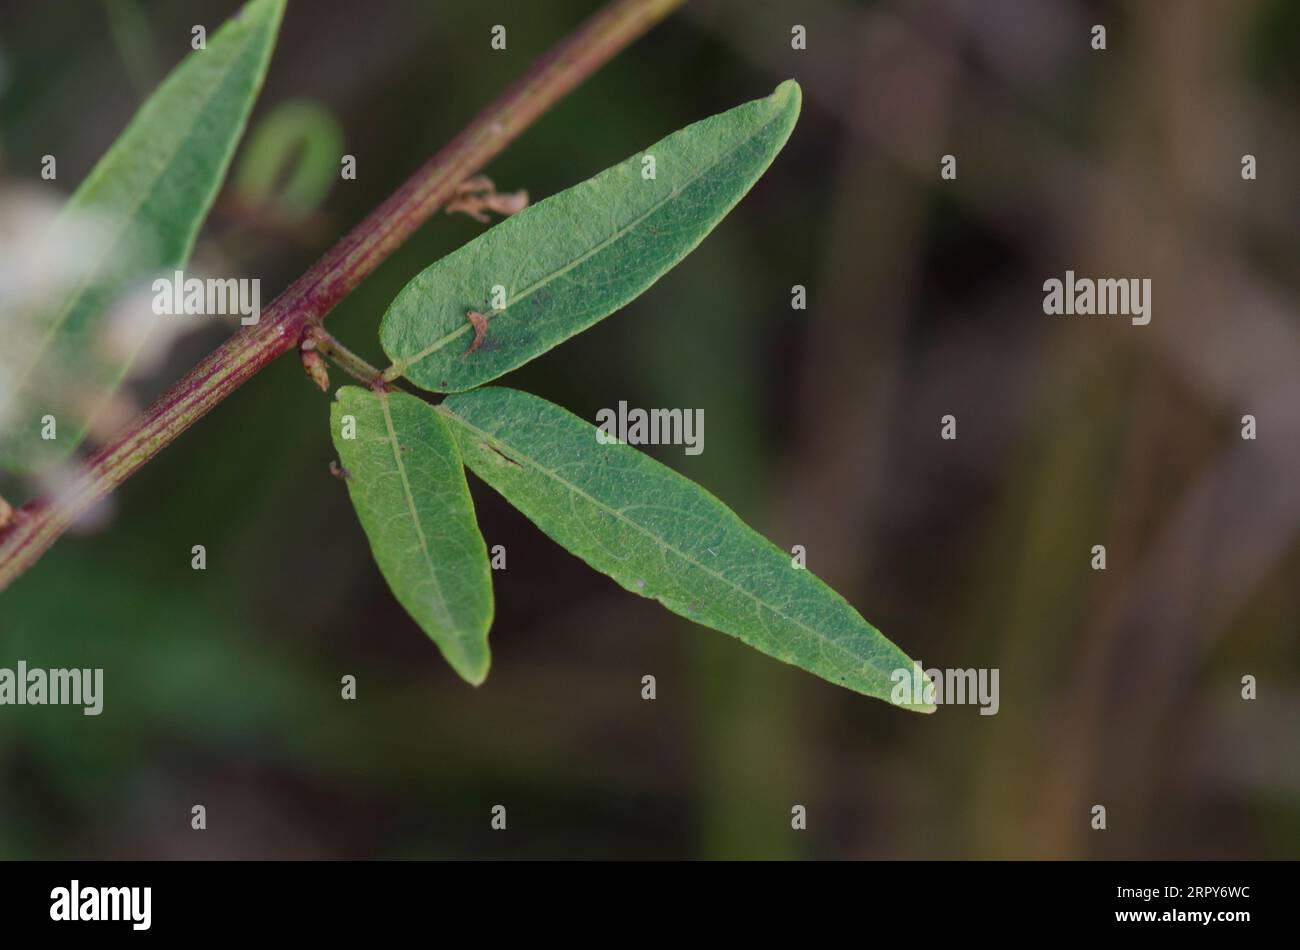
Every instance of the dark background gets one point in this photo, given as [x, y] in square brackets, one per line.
[1119, 687]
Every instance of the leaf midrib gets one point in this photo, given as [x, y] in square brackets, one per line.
[401, 365]
[440, 603]
[553, 475]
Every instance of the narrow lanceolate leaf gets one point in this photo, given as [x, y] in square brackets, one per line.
[71, 340]
[554, 269]
[662, 536]
[406, 481]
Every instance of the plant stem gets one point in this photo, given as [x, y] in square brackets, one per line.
[306, 302]
[346, 360]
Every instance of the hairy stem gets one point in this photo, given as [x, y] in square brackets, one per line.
[305, 303]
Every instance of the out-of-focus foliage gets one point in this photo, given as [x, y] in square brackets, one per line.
[291, 160]
[135, 215]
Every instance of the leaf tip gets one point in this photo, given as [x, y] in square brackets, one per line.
[270, 12]
[274, 7]
[913, 695]
[474, 672]
[789, 95]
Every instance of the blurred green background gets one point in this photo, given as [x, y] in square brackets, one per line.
[1119, 687]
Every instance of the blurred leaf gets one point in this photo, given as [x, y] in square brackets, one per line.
[291, 160]
[128, 24]
[406, 481]
[136, 214]
[575, 258]
[662, 536]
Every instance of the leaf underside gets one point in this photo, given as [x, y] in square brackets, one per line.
[136, 214]
[662, 536]
[407, 483]
[580, 255]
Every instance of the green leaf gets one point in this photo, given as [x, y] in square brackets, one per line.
[662, 536]
[291, 160]
[136, 214]
[580, 255]
[406, 481]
